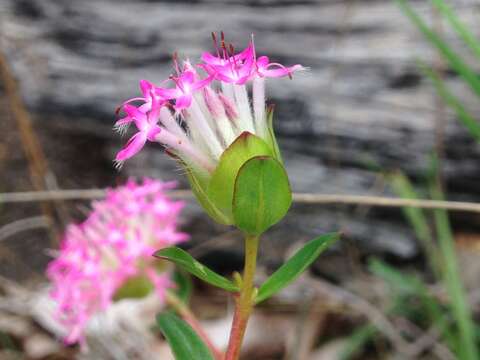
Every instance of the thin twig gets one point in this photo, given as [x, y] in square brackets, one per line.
[37, 163]
[301, 198]
[379, 319]
[361, 305]
[30, 223]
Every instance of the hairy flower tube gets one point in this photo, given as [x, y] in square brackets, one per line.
[112, 248]
[207, 120]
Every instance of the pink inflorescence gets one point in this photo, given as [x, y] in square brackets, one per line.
[114, 244]
[205, 108]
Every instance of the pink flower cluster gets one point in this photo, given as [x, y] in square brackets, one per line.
[114, 244]
[206, 107]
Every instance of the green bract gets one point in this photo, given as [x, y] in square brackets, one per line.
[264, 183]
[262, 195]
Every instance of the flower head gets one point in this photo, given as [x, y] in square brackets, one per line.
[112, 246]
[207, 109]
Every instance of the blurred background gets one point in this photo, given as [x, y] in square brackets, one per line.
[380, 112]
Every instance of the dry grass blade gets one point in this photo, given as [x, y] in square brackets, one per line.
[301, 198]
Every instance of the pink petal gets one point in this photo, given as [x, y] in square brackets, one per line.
[262, 62]
[145, 87]
[133, 111]
[280, 70]
[188, 77]
[134, 145]
[167, 93]
[211, 59]
[183, 102]
[202, 83]
[153, 132]
[248, 52]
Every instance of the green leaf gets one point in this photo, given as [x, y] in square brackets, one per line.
[134, 288]
[183, 284]
[184, 342]
[297, 264]
[185, 261]
[220, 188]
[262, 195]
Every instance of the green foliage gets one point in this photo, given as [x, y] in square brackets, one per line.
[467, 119]
[295, 266]
[262, 195]
[464, 33]
[185, 261]
[411, 286]
[183, 284]
[461, 338]
[184, 342]
[467, 73]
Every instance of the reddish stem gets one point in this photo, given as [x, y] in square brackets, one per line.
[245, 301]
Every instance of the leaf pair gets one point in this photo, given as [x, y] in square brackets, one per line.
[185, 343]
[287, 273]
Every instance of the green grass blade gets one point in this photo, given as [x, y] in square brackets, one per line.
[416, 217]
[413, 286]
[454, 60]
[468, 120]
[453, 282]
[462, 31]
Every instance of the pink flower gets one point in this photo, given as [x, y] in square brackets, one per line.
[114, 244]
[146, 88]
[186, 84]
[233, 68]
[146, 124]
[208, 107]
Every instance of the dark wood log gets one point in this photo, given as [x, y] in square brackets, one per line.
[362, 106]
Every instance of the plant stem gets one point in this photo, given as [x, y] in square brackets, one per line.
[183, 310]
[245, 300]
